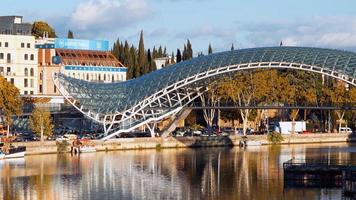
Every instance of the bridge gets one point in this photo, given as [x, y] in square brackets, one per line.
[125, 106]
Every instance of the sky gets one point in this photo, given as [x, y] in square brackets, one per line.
[244, 23]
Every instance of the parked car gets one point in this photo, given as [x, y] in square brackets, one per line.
[345, 130]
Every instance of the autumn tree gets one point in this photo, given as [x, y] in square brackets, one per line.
[10, 102]
[41, 27]
[41, 123]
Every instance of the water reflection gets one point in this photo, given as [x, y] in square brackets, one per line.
[213, 173]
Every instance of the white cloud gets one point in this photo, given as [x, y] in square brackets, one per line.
[101, 16]
[331, 32]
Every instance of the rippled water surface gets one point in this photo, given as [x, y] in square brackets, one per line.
[210, 173]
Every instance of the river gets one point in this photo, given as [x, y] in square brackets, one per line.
[202, 173]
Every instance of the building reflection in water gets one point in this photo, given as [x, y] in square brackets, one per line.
[211, 173]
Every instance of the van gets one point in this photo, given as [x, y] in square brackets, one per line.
[345, 130]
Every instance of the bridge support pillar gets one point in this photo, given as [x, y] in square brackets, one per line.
[151, 127]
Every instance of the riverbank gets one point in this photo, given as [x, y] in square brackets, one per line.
[49, 147]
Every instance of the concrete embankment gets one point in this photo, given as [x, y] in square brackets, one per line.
[184, 142]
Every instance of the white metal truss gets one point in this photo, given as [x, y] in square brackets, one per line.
[175, 96]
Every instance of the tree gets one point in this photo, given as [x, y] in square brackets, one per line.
[232, 47]
[210, 50]
[141, 59]
[40, 27]
[150, 62]
[189, 50]
[179, 56]
[10, 102]
[70, 34]
[41, 122]
[172, 58]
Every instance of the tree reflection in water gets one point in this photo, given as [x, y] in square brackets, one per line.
[210, 173]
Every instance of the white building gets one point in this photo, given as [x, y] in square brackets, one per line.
[18, 62]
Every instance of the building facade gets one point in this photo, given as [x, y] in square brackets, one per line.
[13, 25]
[18, 62]
[89, 60]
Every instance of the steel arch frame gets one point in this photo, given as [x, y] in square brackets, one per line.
[175, 96]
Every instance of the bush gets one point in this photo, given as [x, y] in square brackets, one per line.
[275, 137]
[62, 146]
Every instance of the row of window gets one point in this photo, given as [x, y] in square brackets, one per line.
[25, 83]
[28, 92]
[32, 57]
[6, 44]
[25, 57]
[12, 81]
[97, 77]
[32, 73]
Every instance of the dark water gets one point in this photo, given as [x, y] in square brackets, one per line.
[211, 173]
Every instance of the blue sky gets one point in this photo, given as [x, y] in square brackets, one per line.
[246, 23]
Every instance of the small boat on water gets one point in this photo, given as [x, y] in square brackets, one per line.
[12, 152]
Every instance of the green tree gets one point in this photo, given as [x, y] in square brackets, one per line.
[10, 102]
[179, 56]
[41, 122]
[210, 50]
[70, 34]
[41, 27]
[232, 47]
[189, 50]
[172, 58]
[141, 59]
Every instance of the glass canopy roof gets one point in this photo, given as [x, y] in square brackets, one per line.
[109, 98]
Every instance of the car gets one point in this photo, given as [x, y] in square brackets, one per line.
[345, 130]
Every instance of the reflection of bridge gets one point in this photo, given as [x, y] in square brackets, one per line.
[125, 106]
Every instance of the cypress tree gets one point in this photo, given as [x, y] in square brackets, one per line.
[185, 56]
[232, 47]
[133, 59]
[189, 50]
[179, 56]
[127, 60]
[210, 50]
[154, 52]
[141, 59]
[70, 34]
[164, 52]
[160, 53]
[172, 58]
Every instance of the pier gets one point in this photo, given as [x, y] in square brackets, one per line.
[309, 173]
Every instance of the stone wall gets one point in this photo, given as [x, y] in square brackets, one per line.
[187, 142]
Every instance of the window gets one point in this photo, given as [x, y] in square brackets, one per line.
[6, 44]
[112, 78]
[26, 56]
[41, 76]
[28, 45]
[25, 92]
[54, 89]
[0, 44]
[32, 57]
[12, 81]
[41, 89]
[31, 83]
[8, 56]
[22, 45]
[26, 72]
[1, 56]
[87, 77]
[104, 77]
[32, 72]
[31, 92]
[25, 82]
[8, 69]
[99, 78]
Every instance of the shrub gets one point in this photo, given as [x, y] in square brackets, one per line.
[275, 137]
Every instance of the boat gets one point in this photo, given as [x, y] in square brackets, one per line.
[87, 149]
[13, 152]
